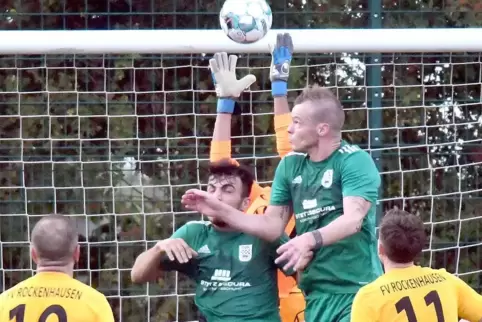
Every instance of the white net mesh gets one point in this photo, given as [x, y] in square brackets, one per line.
[115, 140]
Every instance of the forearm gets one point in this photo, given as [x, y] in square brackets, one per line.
[221, 142]
[146, 267]
[340, 228]
[281, 106]
[282, 116]
[267, 227]
[281, 124]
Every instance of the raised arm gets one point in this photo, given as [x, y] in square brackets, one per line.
[221, 142]
[228, 89]
[279, 74]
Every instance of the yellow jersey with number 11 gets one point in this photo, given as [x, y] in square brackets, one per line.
[53, 296]
[416, 294]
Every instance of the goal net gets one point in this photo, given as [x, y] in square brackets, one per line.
[114, 141]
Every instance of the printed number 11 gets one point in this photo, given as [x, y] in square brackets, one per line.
[431, 298]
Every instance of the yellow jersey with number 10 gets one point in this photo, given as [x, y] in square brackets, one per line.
[53, 296]
[416, 294]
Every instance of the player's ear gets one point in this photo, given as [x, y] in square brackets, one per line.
[33, 254]
[245, 203]
[76, 254]
[322, 129]
[381, 250]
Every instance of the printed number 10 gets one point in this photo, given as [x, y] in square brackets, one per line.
[18, 313]
[431, 298]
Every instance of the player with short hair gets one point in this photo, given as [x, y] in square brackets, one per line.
[292, 302]
[53, 294]
[407, 292]
[235, 273]
[332, 188]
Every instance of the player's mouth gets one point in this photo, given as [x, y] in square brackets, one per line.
[221, 225]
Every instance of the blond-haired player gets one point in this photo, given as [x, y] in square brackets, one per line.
[52, 294]
[292, 302]
[411, 293]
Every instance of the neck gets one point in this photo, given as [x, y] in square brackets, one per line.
[324, 149]
[389, 265]
[57, 269]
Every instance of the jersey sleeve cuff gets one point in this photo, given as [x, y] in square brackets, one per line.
[279, 88]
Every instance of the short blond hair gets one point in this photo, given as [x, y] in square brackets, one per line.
[327, 106]
[54, 239]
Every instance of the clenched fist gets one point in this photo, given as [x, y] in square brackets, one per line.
[176, 249]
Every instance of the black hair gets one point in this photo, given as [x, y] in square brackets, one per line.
[227, 167]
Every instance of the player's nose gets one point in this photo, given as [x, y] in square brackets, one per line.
[218, 194]
[290, 128]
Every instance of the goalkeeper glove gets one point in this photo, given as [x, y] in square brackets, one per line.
[223, 71]
[281, 54]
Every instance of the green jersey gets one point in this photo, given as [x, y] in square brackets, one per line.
[316, 190]
[235, 274]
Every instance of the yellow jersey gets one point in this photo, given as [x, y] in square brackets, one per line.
[54, 297]
[416, 294]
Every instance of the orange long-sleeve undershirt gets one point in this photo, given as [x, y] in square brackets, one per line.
[222, 150]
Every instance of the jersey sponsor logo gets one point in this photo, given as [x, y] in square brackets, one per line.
[221, 280]
[309, 204]
[327, 179]
[245, 253]
[297, 180]
[204, 250]
[223, 275]
[313, 214]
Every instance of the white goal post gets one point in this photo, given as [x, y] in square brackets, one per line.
[210, 41]
[112, 126]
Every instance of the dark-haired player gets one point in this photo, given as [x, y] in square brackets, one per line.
[234, 272]
[292, 302]
[407, 292]
[52, 294]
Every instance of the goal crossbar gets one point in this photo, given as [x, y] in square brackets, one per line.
[210, 41]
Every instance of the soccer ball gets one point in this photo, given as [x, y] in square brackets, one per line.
[245, 21]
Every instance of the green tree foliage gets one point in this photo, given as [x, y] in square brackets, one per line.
[115, 140]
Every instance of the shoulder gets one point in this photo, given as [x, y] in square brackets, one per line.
[25, 283]
[292, 162]
[353, 153]
[193, 230]
[293, 157]
[351, 158]
[367, 294]
[5, 296]
[440, 274]
[374, 287]
[197, 225]
[85, 289]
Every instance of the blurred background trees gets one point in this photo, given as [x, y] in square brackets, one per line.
[115, 140]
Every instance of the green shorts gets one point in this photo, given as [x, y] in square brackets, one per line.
[328, 307]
